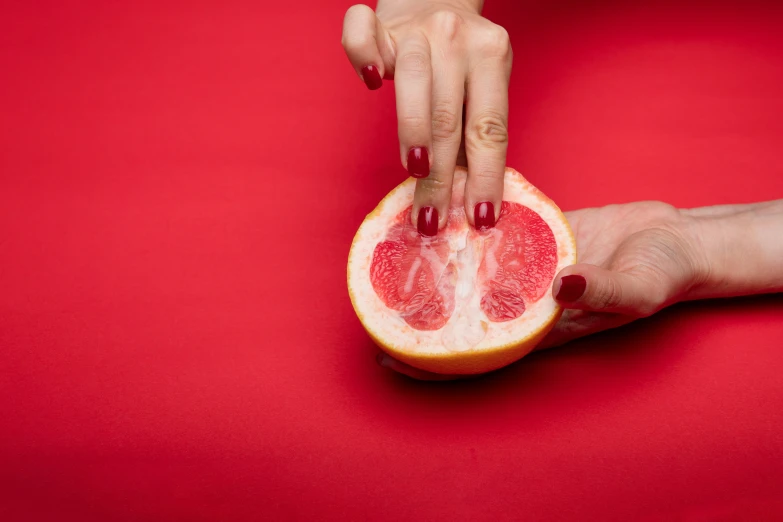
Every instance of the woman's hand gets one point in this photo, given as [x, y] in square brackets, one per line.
[440, 55]
[638, 258]
[635, 259]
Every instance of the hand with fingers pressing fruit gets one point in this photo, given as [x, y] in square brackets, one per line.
[441, 55]
[638, 258]
[451, 67]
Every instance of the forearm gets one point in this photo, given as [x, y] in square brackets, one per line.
[738, 249]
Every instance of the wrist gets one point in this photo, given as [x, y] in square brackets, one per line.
[735, 249]
[703, 241]
[689, 252]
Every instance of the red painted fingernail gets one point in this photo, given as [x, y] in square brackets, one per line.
[571, 288]
[484, 215]
[418, 162]
[372, 77]
[428, 221]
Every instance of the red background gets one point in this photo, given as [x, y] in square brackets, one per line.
[179, 187]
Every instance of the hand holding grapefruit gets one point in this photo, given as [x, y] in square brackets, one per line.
[465, 301]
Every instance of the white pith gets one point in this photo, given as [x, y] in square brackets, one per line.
[468, 329]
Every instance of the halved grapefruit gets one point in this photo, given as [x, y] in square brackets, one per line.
[466, 301]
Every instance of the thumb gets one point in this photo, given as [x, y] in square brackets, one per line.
[592, 288]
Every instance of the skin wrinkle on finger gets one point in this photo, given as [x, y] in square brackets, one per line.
[606, 295]
[445, 124]
[484, 174]
[488, 128]
[416, 64]
[480, 61]
[432, 184]
[414, 121]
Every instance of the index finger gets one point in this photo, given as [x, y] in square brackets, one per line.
[486, 134]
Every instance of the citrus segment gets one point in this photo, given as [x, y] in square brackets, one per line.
[413, 276]
[519, 262]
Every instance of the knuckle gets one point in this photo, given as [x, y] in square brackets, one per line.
[445, 123]
[447, 23]
[489, 129]
[412, 122]
[433, 188]
[608, 295]
[487, 177]
[495, 42]
[414, 63]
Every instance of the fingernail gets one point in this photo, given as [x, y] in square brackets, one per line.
[571, 288]
[484, 215]
[372, 77]
[418, 162]
[428, 221]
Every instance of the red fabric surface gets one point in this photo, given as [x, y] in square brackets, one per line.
[179, 187]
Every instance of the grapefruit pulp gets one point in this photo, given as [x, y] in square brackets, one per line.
[465, 301]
